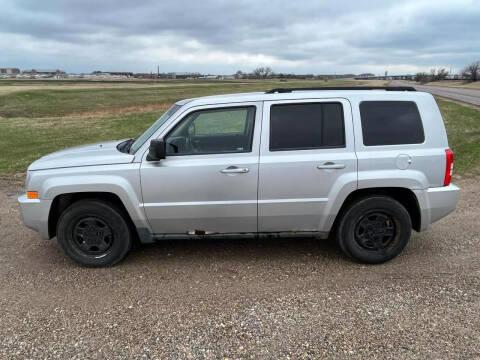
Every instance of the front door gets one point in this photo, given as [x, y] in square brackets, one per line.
[307, 161]
[208, 181]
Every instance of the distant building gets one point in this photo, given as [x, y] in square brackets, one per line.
[9, 71]
[146, 76]
[120, 73]
[44, 72]
[182, 75]
[113, 73]
[455, 77]
[388, 77]
[365, 76]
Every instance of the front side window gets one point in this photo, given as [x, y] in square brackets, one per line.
[306, 126]
[391, 123]
[213, 131]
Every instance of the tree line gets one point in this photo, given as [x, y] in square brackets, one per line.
[470, 72]
[259, 73]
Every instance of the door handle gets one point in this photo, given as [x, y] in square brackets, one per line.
[234, 170]
[331, 165]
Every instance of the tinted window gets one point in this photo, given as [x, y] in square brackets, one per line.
[226, 130]
[306, 126]
[391, 123]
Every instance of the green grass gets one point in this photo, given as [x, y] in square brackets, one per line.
[25, 138]
[52, 102]
[463, 129]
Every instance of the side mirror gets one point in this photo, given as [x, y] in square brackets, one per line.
[156, 150]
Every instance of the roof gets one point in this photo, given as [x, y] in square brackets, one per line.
[303, 94]
[328, 88]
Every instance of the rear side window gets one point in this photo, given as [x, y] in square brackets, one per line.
[391, 123]
[306, 126]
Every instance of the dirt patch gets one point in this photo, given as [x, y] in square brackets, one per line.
[259, 299]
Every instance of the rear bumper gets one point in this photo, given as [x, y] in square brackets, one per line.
[436, 203]
[35, 214]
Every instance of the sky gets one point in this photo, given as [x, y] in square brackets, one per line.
[223, 36]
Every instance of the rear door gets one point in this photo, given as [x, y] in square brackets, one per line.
[307, 159]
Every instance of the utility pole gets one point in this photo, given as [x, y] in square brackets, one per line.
[158, 71]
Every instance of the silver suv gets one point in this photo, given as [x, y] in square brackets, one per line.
[363, 165]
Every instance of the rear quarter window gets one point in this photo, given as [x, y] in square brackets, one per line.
[391, 123]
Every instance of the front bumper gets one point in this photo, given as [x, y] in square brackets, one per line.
[35, 214]
[436, 203]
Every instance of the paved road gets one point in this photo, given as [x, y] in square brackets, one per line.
[244, 299]
[469, 96]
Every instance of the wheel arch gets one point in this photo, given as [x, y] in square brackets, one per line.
[404, 196]
[63, 201]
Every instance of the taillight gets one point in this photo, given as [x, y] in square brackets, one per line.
[448, 167]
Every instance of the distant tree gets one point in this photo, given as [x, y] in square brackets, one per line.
[438, 74]
[258, 72]
[422, 77]
[239, 74]
[441, 74]
[472, 71]
[262, 72]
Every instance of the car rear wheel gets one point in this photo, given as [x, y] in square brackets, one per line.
[374, 229]
[94, 233]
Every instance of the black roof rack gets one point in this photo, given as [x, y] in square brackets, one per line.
[386, 88]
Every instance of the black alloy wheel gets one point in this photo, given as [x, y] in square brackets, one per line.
[375, 231]
[92, 236]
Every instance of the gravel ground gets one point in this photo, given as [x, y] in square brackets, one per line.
[266, 299]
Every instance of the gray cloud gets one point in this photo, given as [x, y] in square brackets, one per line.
[223, 36]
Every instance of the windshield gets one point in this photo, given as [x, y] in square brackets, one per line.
[151, 130]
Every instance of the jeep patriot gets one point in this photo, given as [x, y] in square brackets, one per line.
[362, 165]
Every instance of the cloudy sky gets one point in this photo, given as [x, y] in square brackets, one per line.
[222, 36]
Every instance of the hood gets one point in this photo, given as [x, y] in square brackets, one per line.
[105, 153]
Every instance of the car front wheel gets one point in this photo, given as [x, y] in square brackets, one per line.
[94, 233]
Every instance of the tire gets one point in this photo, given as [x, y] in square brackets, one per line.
[94, 233]
[374, 229]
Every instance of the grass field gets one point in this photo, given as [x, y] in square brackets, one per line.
[463, 129]
[47, 116]
[51, 99]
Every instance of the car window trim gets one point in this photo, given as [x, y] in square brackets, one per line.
[215, 108]
[308, 148]
[399, 144]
